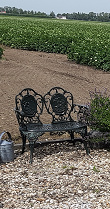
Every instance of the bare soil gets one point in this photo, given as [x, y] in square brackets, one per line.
[41, 71]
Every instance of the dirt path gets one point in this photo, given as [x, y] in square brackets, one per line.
[41, 71]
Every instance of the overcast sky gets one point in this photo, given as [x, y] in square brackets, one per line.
[60, 6]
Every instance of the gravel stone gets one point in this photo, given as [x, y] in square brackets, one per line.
[56, 180]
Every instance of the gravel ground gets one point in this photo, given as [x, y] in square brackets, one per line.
[61, 177]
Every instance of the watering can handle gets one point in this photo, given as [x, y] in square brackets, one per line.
[9, 135]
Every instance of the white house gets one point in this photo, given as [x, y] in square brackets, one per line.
[61, 17]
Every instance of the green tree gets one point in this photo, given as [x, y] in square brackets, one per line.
[52, 14]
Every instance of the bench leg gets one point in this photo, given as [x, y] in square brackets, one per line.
[80, 140]
[31, 146]
[23, 142]
[86, 148]
[72, 137]
[85, 144]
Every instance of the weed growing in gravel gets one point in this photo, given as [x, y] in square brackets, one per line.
[65, 166]
[95, 169]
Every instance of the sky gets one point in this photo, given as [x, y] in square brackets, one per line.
[60, 6]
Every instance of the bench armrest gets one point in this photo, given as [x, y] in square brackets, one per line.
[81, 106]
[81, 112]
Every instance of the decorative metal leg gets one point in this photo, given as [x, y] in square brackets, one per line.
[86, 148]
[72, 137]
[85, 142]
[32, 137]
[31, 146]
[23, 142]
[81, 140]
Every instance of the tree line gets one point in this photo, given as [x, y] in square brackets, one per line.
[91, 16]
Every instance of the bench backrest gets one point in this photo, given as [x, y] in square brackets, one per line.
[59, 104]
[29, 106]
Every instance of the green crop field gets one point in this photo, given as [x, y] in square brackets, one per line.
[83, 42]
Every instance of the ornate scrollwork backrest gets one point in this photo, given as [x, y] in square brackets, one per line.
[59, 104]
[29, 106]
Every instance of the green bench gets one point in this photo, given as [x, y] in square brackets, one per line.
[59, 104]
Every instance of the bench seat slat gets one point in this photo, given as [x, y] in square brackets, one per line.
[66, 126]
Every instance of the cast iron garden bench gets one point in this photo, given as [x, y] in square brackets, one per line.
[59, 104]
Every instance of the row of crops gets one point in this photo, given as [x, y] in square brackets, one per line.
[84, 42]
